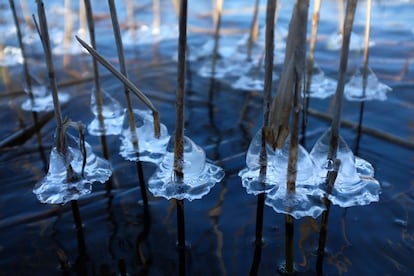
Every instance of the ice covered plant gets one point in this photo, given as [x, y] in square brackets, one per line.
[72, 166]
[72, 169]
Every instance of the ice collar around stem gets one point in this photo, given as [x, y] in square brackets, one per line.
[71, 172]
[142, 144]
[112, 115]
[355, 183]
[200, 175]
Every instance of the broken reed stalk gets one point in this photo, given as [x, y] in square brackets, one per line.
[364, 71]
[44, 37]
[179, 130]
[254, 30]
[309, 67]
[127, 82]
[68, 31]
[281, 105]
[336, 119]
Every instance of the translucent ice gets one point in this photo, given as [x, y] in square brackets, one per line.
[73, 48]
[252, 80]
[321, 86]
[199, 174]
[11, 56]
[68, 176]
[225, 68]
[301, 203]
[149, 35]
[149, 148]
[277, 162]
[112, 113]
[355, 184]
[374, 90]
[42, 99]
[334, 42]
[238, 63]
[225, 50]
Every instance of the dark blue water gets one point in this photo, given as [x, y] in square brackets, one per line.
[378, 239]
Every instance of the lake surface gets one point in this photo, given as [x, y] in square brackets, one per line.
[39, 239]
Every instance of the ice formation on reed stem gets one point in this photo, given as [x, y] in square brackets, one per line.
[374, 89]
[355, 183]
[148, 148]
[70, 176]
[199, 174]
[237, 64]
[73, 47]
[10, 56]
[112, 114]
[42, 99]
[334, 42]
[149, 35]
[306, 201]
[321, 87]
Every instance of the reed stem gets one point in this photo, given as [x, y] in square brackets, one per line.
[130, 112]
[309, 67]
[179, 104]
[156, 23]
[179, 131]
[83, 25]
[217, 23]
[21, 45]
[91, 28]
[44, 37]
[364, 71]
[129, 6]
[335, 125]
[27, 77]
[331, 177]
[267, 94]
[26, 14]
[254, 30]
[68, 31]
